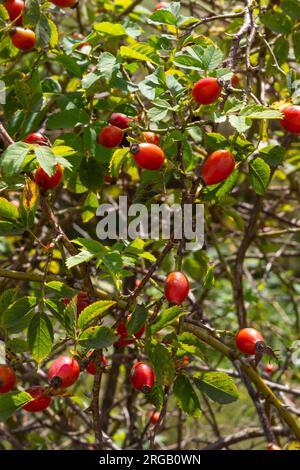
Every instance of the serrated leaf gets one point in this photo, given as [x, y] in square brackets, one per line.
[8, 210]
[272, 154]
[259, 172]
[186, 397]
[140, 51]
[162, 362]
[61, 288]
[277, 22]
[117, 160]
[108, 28]
[156, 396]
[257, 111]
[218, 386]
[13, 157]
[15, 312]
[81, 257]
[211, 58]
[97, 337]
[166, 317]
[46, 159]
[40, 336]
[11, 402]
[137, 320]
[90, 206]
[7, 297]
[93, 311]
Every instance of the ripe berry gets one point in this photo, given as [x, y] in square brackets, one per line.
[161, 5]
[45, 181]
[148, 156]
[246, 340]
[142, 377]
[217, 167]
[110, 136]
[120, 120]
[151, 138]
[124, 336]
[15, 10]
[64, 3]
[206, 91]
[291, 120]
[91, 368]
[37, 138]
[23, 38]
[269, 368]
[154, 416]
[63, 372]
[176, 287]
[40, 402]
[8, 378]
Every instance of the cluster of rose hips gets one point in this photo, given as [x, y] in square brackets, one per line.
[24, 38]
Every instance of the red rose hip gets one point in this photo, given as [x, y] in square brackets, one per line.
[23, 38]
[217, 167]
[91, 368]
[161, 5]
[120, 120]
[110, 136]
[40, 401]
[64, 372]
[246, 340]
[148, 156]
[15, 10]
[37, 138]
[151, 138]
[8, 378]
[206, 91]
[142, 377]
[125, 339]
[291, 120]
[154, 416]
[45, 181]
[177, 287]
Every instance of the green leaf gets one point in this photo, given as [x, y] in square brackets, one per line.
[68, 118]
[190, 343]
[218, 386]
[240, 123]
[90, 206]
[256, 111]
[137, 320]
[40, 336]
[187, 62]
[163, 16]
[273, 155]
[16, 312]
[140, 51]
[211, 58]
[11, 402]
[97, 337]
[60, 288]
[81, 257]
[214, 141]
[70, 317]
[7, 297]
[186, 397]
[46, 159]
[8, 210]
[93, 311]
[32, 12]
[291, 8]
[117, 160]
[107, 28]
[10, 228]
[277, 22]
[43, 31]
[296, 44]
[166, 317]
[163, 363]
[91, 174]
[13, 157]
[156, 396]
[53, 40]
[259, 172]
